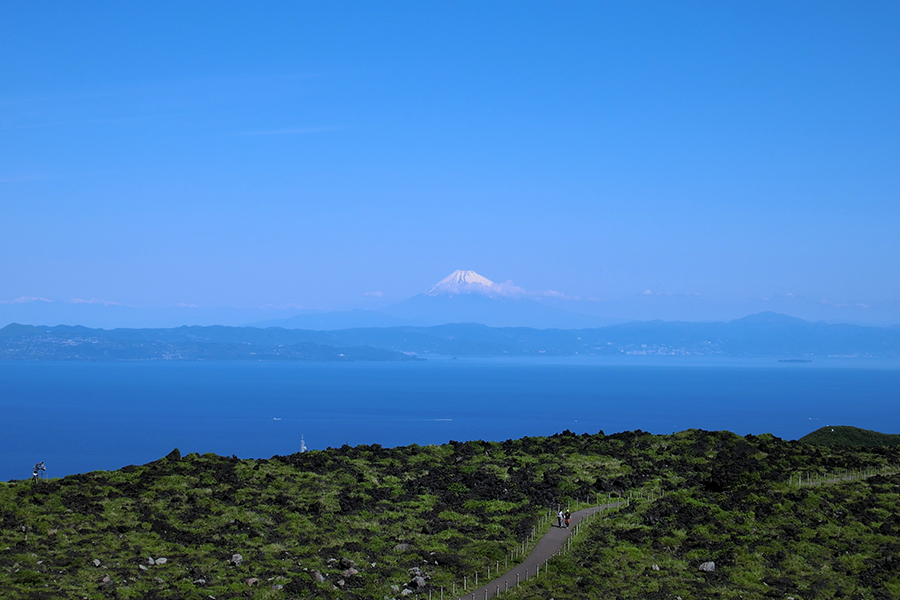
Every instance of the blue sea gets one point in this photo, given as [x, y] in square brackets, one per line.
[83, 416]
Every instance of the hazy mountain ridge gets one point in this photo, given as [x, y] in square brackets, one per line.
[493, 311]
[336, 319]
[763, 334]
[461, 297]
[114, 316]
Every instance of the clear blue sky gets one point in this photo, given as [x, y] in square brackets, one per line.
[245, 154]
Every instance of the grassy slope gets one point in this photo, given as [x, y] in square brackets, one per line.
[768, 540]
[460, 506]
[843, 435]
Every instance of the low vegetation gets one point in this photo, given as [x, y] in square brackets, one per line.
[843, 435]
[364, 522]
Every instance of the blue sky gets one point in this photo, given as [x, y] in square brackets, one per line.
[235, 154]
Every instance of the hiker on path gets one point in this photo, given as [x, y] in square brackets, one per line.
[568, 518]
[559, 518]
[37, 469]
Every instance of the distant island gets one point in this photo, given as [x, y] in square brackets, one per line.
[25, 342]
[764, 334]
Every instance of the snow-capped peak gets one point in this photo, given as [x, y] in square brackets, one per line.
[462, 282]
[470, 282]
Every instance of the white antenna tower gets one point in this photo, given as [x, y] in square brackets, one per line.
[302, 444]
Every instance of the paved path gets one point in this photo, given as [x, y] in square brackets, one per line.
[548, 545]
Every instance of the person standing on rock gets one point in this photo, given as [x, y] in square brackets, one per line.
[568, 518]
[559, 518]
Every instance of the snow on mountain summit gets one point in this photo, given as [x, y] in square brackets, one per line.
[470, 282]
[460, 277]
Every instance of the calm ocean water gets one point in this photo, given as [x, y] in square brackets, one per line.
[85, 416]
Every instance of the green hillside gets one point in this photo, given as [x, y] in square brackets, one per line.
[359, 522]
[844, 435]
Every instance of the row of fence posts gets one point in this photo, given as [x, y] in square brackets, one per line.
[540, 567]
[803, 479]
[810, 478]
[521, 548]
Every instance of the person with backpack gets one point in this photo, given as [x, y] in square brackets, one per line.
[559, 518]
[568, 518]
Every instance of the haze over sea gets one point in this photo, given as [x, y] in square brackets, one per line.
[83, 416]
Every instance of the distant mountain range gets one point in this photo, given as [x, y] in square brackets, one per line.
[763, 334]
[461, 297]
[110, 315]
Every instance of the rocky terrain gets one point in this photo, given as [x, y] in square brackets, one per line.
[371, 522]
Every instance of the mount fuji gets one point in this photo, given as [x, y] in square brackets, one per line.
[465, 282]
[467, 297]
[469, 282]
[461, 297]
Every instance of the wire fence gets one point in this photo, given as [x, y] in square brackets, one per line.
[812, 478]
[514, 577]
[514, 573]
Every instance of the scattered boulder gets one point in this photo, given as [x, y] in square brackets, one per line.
[159, 580]
[318, 577]
[162, 561]
[402, 547]
[142, 567]
[347, 563]
[419, 578]
[200, 581]
[395, 589]
[350, 573]
[277, 586]
[150, 561]
[341, 583]
[406, 592]
[709, 566]
[106, 583]
[96, 562]
[655, 567]
[236, 560]
[252, 581]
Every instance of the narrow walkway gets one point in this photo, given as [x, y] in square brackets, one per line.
[548, 545]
